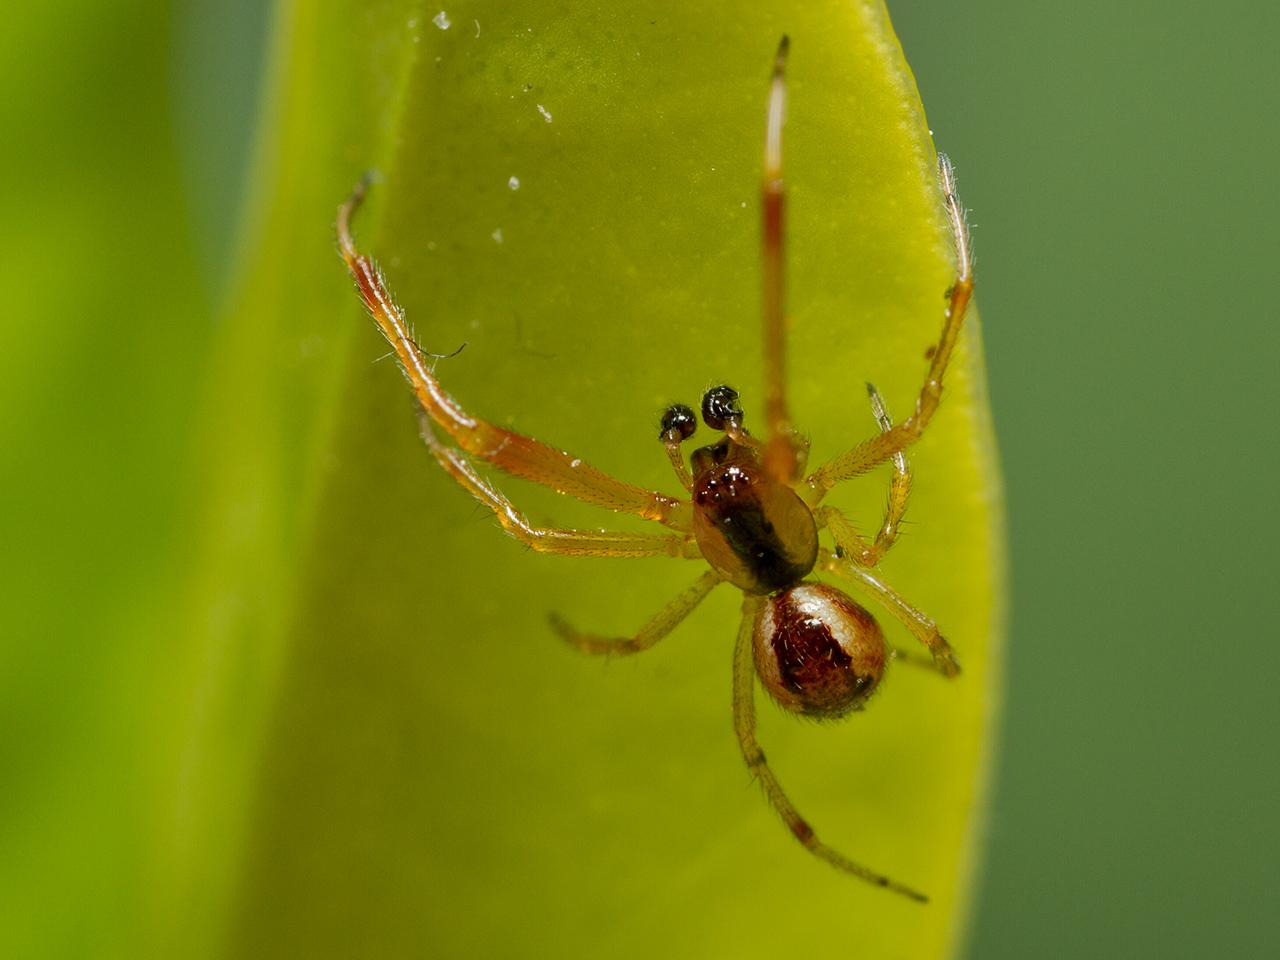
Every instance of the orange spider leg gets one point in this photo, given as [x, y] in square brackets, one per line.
[921, 627]
[849, 539]
[666, 620]
[514, 453]
[784, 453]
[854, 544]
[886, 444]
[899, 488]
[744, 724]
[912, 659]
[579, 543]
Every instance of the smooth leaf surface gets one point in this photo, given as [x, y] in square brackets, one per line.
[377, 731]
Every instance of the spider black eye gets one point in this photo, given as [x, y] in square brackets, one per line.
[678, 422]
[720, 407]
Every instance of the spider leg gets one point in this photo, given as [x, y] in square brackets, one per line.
[911, 658]
[784, 452]
[889, 442]
[851, 542]
[921, 627]
[899, 486]
[666, 620]
[744, 724]
[580, 543]
[518, 455]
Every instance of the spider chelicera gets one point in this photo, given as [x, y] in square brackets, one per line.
[753, 514]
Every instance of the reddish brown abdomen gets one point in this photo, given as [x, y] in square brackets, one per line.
[817, 652]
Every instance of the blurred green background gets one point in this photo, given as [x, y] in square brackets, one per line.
[1119, 160]
[1119, 163]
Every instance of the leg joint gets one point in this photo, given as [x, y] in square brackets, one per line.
[754, 757]
[801, 829]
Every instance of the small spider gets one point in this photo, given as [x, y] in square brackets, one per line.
[752, 512]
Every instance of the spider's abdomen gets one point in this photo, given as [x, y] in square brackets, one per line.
[756, 532]
[817, 652]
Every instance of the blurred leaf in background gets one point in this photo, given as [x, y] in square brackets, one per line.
[104, 334]
[304, 700]
[1121, 163]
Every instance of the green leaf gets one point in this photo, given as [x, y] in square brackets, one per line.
[379, 746]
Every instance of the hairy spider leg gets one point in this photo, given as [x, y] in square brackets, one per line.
[744, 724]
[922, 627]
[577, 543]
[865, 552]
[911, 658]
[784, 453]
[899, 487]
[662, 623]
[849, 540]
[512, 452]
[885, 444]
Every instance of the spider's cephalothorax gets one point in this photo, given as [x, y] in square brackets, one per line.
[754, 531]
[751, 512]
[753, 528]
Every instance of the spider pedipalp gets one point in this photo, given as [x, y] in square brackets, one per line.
[721, 409]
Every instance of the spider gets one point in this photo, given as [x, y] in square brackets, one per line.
[752, 512]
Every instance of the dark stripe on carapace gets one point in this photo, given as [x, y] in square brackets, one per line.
[729, 500]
